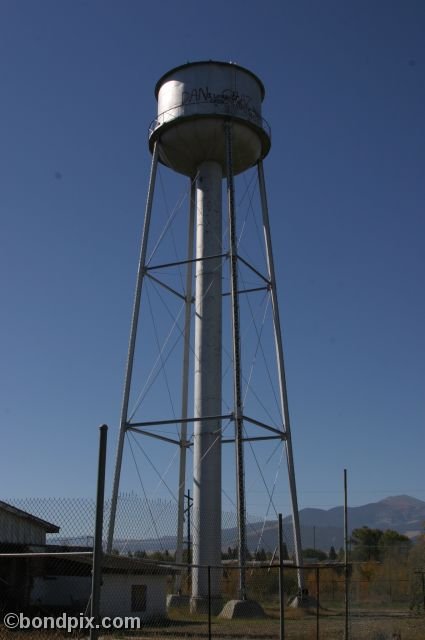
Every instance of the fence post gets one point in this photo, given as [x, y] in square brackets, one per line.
[346, 636]
[317, 603]
[281, 586]
[97, 548]
[423, 588]
[209, 602]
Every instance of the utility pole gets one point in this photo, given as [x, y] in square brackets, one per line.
[188, 542]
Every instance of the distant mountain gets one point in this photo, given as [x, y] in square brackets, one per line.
[401, 513]
[319, 527]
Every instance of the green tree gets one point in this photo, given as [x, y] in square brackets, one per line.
[332, 554]
[285, 553]
[375, 544]
[394, 543]
[165, 556]
[366, 544]
[416, 566]
[261, 555]
[314, 554]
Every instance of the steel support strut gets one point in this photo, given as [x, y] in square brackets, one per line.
[237, 389]
[185, 383]
[131, 347]
[282, 379]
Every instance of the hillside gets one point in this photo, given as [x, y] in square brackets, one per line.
[401, 513]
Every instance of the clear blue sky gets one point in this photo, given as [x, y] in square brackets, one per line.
[345, 96]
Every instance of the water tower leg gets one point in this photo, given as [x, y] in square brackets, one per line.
[282, 383]
[237, 388]
[185, 387]
[131, 348]
[207, 386]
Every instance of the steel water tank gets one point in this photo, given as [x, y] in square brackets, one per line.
[195, 101]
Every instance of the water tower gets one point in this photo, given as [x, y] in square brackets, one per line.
[210, 128]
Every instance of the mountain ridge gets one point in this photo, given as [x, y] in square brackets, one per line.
[320, 528]
[402, 513]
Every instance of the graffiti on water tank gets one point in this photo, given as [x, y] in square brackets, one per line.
[238, 102]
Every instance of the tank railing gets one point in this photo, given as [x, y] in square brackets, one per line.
[220, 108]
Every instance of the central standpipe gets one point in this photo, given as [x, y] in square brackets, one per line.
[207, 431]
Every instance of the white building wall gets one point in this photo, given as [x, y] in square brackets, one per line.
[61, 591]
[115, 597]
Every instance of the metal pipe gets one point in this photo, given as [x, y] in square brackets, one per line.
[237, 387]
[282, 381]
[317, 603]
[281, 585]
[207, 384]
[131, 347]
[185, 385]
[97, 549]
[346, 554]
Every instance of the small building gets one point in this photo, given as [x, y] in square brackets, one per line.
[38, 576]
[134, 587]
[19, 527]
[130, 586]
[19, 531]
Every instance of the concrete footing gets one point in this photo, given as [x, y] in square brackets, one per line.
[200, 605]
[302, 601]
[242, 609]
[178, 601]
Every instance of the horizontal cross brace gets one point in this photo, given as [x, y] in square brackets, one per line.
[178, 263]
[166, 286]
[229, 293]
[263, 425]
[258, 273]
[135, 426]
[153, 435]
[183, 297]
[225, 441]
[157, 423]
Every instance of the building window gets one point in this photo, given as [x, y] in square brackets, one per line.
[138, 597]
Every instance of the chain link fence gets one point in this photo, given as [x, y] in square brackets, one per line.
[46, 556]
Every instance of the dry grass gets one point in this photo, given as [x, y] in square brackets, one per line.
[299, 625]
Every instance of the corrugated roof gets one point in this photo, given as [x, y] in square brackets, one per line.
[128, 564]
[112, 563]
